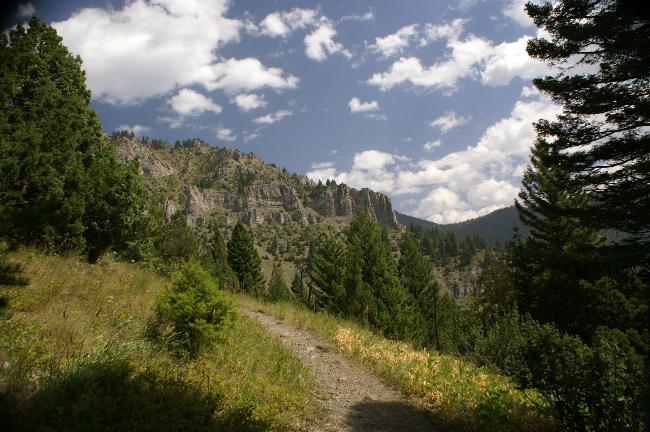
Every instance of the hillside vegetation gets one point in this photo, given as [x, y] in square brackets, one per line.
[77, 334]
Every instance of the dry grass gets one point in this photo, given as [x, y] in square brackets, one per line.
[461, 395]
[77, 328]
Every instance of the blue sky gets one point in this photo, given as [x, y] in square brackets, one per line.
[428, 101]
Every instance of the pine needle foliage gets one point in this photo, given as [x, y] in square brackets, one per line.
[245, 261]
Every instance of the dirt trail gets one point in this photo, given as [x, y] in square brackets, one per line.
[355, 399]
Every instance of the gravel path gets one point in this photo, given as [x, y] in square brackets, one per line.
[355, 399]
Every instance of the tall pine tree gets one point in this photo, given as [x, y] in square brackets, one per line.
[603, 132]
[277, 289]
[245, 261]
[372, 284]
[61, 185]
[327, 259]
[590, 171]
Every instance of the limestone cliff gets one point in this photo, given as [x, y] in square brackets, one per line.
[200, 181]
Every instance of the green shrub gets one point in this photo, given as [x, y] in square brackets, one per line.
[590, 387]
[595, 388]
[195, 308]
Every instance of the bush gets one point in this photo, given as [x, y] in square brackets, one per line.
[595, 388]
[590, 387]
[194, 307]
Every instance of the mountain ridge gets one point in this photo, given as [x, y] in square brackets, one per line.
[202, 182]
[497, 226]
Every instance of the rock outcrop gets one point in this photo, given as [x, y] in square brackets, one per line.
[342, 200]
[150, 163]
[269, 195]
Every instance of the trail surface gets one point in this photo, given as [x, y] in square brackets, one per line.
[355, 399]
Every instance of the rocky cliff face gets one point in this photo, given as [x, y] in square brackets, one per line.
[199, 180]
[342, 201]
[150, 163]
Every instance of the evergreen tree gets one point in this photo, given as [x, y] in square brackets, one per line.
[277, 289]
[563, 257]
[602, 133]
[327, 259]
[372, 283]
[435, 309]
[177, 242]
[61, 185]
[218, 262]
[10, 273]
[298, 286]
[245, 261]
[46, 128]
[114, 203]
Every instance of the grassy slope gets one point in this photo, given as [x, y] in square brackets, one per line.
[76, 334]
[460, 395]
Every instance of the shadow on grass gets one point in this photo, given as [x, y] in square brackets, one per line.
[110, 396]
[390, 416]
[402, 417]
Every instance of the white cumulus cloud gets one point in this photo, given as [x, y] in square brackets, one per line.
[509, 60]
[516, 11]
[430, 145]
[320, 43]
[434, 32]
[225, 134]
[462, 184]
[236, 75]
[356, 105]
[26, 10]
[367, 16]
[188, 103]
[449, 121]
[394, 43]
[281, 24]
[460, 63]
[249, 101]
[273, 117]
[133, 53]
[468, 57]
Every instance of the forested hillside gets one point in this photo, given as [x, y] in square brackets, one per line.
[496, 226]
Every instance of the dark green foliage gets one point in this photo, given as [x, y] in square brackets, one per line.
[273, 246]
[216, 260]
[10, 273]
[61, 185]
[327, 260]
[589, 174]
[245, 261]
[590, 387]
[437, 311]
[495, 227]
[177, 241]
[114, 204]
[277, 289]
[46, 129]
[444, 247]
[298, 286]
[605, 110]
[565, 258]
[497, 282]
[374, 292]
[195, 308]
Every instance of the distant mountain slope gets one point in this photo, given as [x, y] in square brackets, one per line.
[495, 226]
[204, 183]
